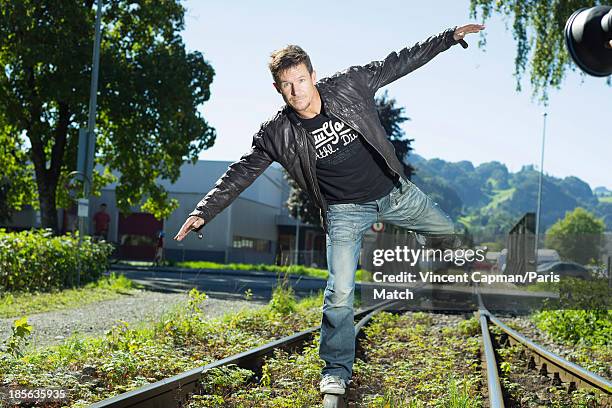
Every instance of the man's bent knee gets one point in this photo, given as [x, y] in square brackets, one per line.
[342, 297]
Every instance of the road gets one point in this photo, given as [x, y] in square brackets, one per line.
[218, 283]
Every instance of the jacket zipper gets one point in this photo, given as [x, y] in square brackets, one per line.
[313, 170]
[356, 129]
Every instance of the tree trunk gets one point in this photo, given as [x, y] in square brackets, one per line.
[46, 198]
[47, 179]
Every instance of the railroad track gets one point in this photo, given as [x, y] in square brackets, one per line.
[564, 373]
[174, 391]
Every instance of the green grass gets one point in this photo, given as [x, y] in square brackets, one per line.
[135, 263]
[586, 327]
[291, 269]
[587, 333]
[581, 315]
[542, 287]
[13, 304]
[499, 197]
[607, 199]
[287, 380]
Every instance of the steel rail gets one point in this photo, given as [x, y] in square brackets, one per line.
[562, 368]
[170, 392]
[549, 362]
[496, 396]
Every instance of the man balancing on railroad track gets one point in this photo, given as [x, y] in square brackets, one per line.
[329, 138]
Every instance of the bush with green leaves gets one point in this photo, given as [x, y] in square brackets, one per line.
[588, 327]
[581, 314]
[38, 260]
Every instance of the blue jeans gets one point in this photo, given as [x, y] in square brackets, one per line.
[405, 206]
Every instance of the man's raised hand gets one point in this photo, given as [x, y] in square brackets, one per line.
[192, 223]
[460, 32]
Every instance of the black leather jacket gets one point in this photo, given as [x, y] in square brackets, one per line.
[349, 96]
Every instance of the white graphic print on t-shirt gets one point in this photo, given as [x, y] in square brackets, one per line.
[329, 135]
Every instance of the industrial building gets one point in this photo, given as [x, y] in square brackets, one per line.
[255, 228]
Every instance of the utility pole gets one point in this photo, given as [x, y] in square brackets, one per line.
[537, 226]
[87, 142]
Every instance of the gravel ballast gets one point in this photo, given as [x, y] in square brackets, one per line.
[598, 360]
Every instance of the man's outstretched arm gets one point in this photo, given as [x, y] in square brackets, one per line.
[397, 64]
[234, 181]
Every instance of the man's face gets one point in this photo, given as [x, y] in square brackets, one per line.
[296, 85]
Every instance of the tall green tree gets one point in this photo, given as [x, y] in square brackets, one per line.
[150, 92]
[537, 27]
[577, 237]
[391, 116]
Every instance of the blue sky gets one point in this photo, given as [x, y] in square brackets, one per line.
[462, 104]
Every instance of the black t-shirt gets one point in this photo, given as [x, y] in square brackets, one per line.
[349, 170]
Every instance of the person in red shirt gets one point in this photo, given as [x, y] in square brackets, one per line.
[101, 222]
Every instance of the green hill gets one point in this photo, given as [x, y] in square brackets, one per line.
[489, 199]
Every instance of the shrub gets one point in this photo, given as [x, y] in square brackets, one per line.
[588, 327]
[581, 315]
[37, 260]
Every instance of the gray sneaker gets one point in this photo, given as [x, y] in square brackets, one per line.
[332, 384]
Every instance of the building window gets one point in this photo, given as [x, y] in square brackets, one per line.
[260, 245]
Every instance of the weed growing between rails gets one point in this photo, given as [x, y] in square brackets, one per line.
[447, 374]
[420, 359]
[287, 380]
